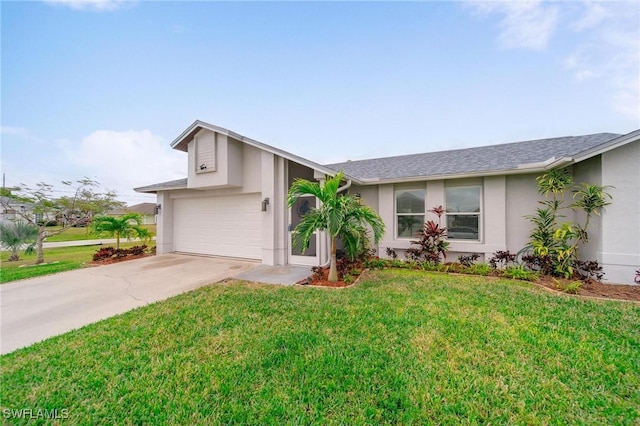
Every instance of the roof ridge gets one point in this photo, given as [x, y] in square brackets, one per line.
[613, 135]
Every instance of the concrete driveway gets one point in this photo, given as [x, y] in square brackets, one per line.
[38, 308]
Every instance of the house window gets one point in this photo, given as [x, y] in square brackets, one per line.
[409, 212]
[463, 212]
[205, 154]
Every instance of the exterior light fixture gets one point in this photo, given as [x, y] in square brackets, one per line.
[203, 166]
[265, 203]
[158, 208]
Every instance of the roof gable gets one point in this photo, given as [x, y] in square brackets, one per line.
[182, 141]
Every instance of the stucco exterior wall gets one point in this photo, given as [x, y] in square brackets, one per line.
[229, 162]
[521, 200]
[590, 172]
[621, 220]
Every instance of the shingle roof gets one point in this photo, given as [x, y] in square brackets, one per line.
[478, 160]
[142, 208]
[472, 160]
[172, 184]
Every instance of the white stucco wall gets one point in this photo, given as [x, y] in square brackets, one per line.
[621, 220]
[589, 171]
[229, 167]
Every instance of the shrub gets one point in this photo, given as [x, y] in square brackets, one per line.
[468, 260]
[432, 245]
[588, 269]
[504, 258]
[137, 250]
[104, 253]
[480, 269]
[392, 253]
[519, 273]
[376, 263]
[318, 273]
[571, 287]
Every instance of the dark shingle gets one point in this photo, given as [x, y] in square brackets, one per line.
[472, 160]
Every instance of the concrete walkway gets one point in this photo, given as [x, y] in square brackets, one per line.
[39, 308]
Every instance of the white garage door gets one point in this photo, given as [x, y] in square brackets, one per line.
[220, 226]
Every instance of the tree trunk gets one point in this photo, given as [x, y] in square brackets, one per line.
[333, 269]
[117, 241]
[42, 234]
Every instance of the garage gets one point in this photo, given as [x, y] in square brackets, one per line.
[227, 225]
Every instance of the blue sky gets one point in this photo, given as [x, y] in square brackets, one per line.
[100, 88]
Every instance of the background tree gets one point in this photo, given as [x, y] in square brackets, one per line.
[126, 226]
[14, 235]
[341, 215]
[41, 206]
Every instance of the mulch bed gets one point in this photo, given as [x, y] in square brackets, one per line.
[117, 260]
[324, 282]
[591, 288]
[594, 288]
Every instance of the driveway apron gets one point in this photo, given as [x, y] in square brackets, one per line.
[39, 308]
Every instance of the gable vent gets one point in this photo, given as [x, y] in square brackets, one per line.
[205, 154]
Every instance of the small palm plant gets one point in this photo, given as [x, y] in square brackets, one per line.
[14, 235]
[119, 227]
[341, 215]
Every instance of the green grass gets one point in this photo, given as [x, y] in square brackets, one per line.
[402, 347]
[77, 234]
[56, 259]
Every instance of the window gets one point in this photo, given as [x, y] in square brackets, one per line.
[409, 212]
[463, 212]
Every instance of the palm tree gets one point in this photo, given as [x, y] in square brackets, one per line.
[124, 226]
[14, 235]
[342, 216]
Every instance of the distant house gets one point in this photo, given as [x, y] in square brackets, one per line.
[146, 210]
[11, 209]
[234, 200]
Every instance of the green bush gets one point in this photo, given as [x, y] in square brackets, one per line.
[519, 273]
[480, 269]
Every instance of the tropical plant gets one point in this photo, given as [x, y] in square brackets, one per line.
[14, 235]
[341, 215]
[553, 245]
[126, 226]
[502, 257]
[591, 199]
[433, 243]
[468, 260]
[144, 234]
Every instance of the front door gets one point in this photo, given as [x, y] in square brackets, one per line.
[296, 213]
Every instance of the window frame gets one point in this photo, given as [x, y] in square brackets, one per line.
[479, 213]
[396, 214]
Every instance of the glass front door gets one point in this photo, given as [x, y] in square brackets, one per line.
[296, 256]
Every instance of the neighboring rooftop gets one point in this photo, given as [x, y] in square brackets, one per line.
[491, 158]
[142, 208]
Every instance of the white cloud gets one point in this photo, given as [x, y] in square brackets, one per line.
[126, 160]
[524, 24]
[611, 52]
[99, 5]
[607, 51]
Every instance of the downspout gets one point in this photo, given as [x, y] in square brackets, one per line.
[327, 242]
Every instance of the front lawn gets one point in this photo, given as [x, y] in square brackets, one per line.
[57, 260]
[401, 347]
